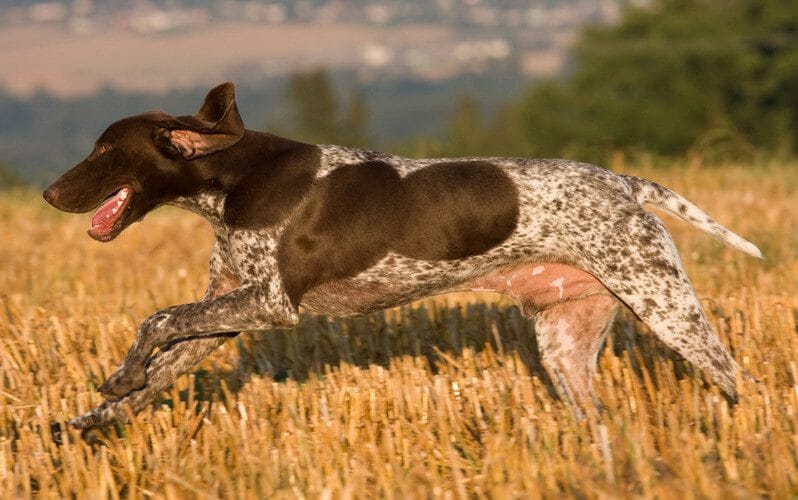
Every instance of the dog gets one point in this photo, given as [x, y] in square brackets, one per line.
[347, 232]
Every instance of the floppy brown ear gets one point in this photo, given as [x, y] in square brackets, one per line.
[216, 126]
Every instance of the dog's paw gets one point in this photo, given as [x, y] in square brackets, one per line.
[121, 383]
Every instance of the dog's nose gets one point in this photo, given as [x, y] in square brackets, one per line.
[50, 194]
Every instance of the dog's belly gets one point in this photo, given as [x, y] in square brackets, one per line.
[534, 286]
[537, 286]
[357, 297]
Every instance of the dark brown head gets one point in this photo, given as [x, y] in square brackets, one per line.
[147, 160]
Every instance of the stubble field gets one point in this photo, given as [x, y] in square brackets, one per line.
[444, 398]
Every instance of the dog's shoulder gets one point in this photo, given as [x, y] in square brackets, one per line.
[274, 185]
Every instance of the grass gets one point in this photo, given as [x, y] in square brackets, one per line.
[441, 399]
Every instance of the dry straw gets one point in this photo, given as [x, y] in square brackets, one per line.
[441, 399]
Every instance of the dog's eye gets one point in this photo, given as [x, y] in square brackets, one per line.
[99, 151]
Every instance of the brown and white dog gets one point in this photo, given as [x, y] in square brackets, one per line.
[347, 232]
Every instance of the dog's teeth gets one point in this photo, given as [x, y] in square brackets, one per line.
[114, 211]
[123, 194]
[119, 203]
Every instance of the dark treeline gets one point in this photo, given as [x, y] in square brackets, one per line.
[718, 78]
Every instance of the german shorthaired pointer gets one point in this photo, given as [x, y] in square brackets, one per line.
[348, 232]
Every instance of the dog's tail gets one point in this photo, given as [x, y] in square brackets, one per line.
[645, 191]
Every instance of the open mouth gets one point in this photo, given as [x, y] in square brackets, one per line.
[105, 221]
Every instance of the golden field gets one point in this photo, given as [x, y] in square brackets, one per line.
[440, 399]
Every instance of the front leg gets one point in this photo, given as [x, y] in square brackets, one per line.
[162, 370]
[221, 278]
[247, 308]
[174, 359]
[245, 293]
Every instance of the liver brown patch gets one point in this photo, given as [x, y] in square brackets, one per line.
[358, 213]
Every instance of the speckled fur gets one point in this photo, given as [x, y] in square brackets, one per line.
[570, 212]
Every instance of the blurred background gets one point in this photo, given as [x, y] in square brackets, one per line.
[593, 80]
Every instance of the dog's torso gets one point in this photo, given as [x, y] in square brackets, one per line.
[523, 218]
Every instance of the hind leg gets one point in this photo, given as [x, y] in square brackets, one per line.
[644, 271]
[570, 335]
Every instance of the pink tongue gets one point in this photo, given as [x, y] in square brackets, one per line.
[105, 216]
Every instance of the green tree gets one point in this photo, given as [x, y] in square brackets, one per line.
[681, 75]
[466, 132]
[314, 106]
[318, 114]
[354, 126]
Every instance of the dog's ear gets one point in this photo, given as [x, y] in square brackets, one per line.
[216, 126]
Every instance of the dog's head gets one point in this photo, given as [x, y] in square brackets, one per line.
[144, 161]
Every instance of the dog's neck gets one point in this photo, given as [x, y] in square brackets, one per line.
[207, 204]
[225, 169]
[222, 173]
